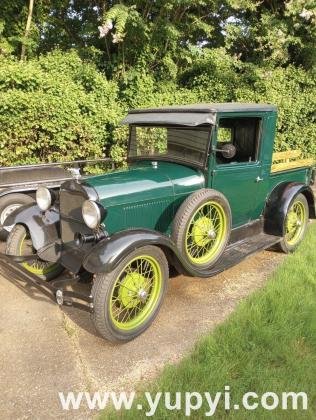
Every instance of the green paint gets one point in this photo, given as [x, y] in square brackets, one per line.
[145, 196]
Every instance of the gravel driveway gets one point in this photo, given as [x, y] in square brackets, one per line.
[44, 349]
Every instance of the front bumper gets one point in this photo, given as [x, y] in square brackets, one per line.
[57, 290]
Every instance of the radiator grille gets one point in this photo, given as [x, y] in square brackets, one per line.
[72, 222]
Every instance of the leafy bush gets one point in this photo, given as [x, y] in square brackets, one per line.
[58, 107]
[221, 78]
[293, 91]
[54, 108]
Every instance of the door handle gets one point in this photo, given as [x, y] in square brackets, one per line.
[258, 179]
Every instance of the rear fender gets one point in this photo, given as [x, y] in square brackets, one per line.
[43, 226]
[279, 202]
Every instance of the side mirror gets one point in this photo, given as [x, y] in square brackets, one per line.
[228, 150]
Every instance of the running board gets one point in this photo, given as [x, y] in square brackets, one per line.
[240, 250]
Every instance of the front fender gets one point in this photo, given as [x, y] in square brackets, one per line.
[279, 203]
[110, 252]
[43, 226]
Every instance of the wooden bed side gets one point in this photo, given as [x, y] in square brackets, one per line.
[282, 161]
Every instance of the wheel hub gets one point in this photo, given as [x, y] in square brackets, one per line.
[131, 291]
[142, 295]
[211, 234]
[203, 231]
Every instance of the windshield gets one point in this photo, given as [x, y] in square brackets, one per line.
[189, 145]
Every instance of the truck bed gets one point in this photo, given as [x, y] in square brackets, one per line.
[288, 160]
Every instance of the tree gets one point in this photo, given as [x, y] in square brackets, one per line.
[27, 29]
[277, 33]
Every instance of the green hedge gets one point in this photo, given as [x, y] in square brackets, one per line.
[219, 77]
[59, 107]
[54, 108]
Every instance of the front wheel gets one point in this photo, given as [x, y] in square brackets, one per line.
[127, 300]
[19, 243]
[202, 226]
[295, 224]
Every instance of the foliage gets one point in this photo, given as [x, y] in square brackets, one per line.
[166, 35]
[89, 62]
[54, 108]
[217, 76]
[267, 345]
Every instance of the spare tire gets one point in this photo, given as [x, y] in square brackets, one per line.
[201, 228]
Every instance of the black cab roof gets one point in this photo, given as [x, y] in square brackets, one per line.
[191, 115]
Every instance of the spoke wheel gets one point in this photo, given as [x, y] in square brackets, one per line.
[20, 243]
[295, 224]
[201, 229]
[135, 292]
[127, 300]
[205, 232]
[38, 267]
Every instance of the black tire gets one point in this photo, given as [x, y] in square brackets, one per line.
[104, 288]
[286, 246]
[182, 223]
[9, 202]
[44, 269]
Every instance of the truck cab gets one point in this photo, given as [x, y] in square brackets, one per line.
[244, 178]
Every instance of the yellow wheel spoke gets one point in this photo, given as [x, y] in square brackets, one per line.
[205, 233]
[295, 223]
[135, 292]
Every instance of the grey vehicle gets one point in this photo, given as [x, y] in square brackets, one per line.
[18, 184]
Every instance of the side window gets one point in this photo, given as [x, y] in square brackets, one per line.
[244, 134]
[224, 135]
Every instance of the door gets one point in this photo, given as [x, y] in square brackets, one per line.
[239, 178]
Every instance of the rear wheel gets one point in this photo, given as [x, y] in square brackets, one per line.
[20, 243]
[127, 300]
[295, 224]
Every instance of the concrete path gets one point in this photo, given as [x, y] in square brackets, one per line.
[44, 350]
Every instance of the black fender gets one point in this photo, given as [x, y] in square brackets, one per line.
[279, 202]
[107, 254]
[43, 226]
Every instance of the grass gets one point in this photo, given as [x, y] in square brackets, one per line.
[267, 344]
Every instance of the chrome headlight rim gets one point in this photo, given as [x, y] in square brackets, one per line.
[44, 198]
[93, 219]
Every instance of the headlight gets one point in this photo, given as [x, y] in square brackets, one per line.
[91, 213]
[43, 198]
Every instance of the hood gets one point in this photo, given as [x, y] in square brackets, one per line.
[142, 181]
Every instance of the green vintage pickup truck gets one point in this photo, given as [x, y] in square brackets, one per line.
[202, 191]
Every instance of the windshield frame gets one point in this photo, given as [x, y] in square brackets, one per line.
[157, 158]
